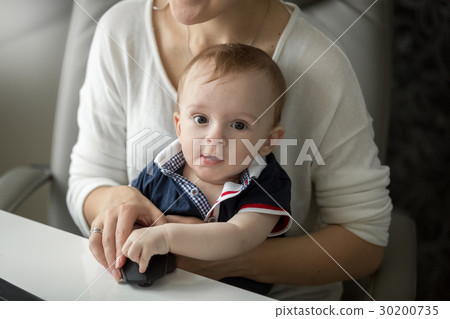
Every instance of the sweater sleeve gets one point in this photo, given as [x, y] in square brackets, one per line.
[98, 158]
[351, 186]
[351, 189]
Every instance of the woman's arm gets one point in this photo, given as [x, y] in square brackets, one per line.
[208, 241]
[297, 260]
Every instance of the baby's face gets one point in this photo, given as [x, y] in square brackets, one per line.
[220, 123]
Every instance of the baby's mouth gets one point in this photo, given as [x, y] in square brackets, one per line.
[210, 159]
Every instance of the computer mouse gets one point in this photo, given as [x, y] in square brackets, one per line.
[158, 266]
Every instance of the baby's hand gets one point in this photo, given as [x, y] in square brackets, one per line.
[143, 243]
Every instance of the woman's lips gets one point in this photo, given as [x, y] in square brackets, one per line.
[210, 160]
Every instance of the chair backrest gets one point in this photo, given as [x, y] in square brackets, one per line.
[366, 43]
[85, 14]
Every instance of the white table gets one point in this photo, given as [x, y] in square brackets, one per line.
[56, 265]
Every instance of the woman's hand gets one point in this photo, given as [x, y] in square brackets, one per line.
[116, 210]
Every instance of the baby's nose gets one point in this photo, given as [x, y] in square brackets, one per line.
[215, 135]
[215, 141]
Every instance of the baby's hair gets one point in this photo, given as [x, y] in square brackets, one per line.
[235, 58]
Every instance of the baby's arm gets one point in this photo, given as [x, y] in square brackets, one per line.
[209, 241]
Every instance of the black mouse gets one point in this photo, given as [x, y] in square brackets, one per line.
[158, 266]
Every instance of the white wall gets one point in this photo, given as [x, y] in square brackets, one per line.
[32, 40]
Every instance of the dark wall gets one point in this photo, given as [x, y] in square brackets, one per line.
[419, 141]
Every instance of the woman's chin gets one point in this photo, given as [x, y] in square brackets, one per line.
[186, 14]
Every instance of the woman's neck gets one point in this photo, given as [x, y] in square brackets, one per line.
[240, 23]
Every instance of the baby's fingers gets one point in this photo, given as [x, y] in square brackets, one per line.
[143, 261]
[134, 252]
[126, 247]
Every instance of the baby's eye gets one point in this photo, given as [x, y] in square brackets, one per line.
[200, 119]
[238, 126]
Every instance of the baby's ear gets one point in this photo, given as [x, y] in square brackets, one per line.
[275, 133]
[176, 119]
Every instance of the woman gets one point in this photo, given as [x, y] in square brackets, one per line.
[136, 59]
